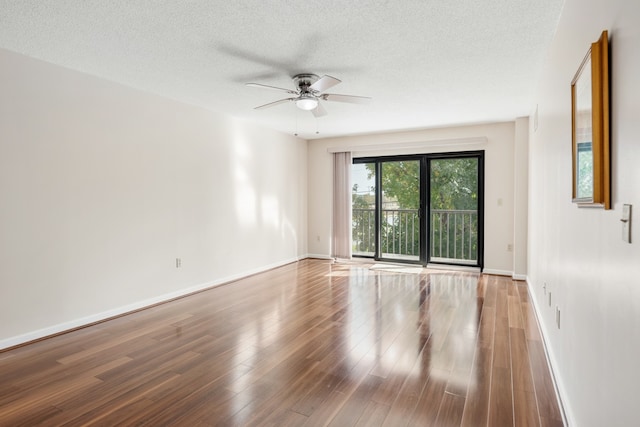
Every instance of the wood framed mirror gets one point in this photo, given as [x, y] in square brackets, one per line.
[590, 128]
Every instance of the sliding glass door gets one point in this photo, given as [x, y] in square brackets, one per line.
[419, 209]
[363, 210]
[454, 197]
[400, 210]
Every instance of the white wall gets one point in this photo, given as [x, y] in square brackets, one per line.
[499, 182]
[593, 276]
[102, 187]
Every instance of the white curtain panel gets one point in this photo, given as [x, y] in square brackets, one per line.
[341, 205]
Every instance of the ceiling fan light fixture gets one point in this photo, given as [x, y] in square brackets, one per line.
[306, 102]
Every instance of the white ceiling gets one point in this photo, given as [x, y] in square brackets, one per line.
[426, 63]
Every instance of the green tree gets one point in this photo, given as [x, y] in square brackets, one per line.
[401, 182]
[454, 183]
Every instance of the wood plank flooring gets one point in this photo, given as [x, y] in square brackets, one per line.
[308, 344]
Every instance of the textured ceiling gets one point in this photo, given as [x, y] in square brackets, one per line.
[425, 63]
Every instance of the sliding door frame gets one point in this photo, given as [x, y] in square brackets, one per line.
[424, 206]
[479, 155]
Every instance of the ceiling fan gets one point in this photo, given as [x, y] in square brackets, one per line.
[309, 91]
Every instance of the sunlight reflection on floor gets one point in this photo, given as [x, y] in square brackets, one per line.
[436, 315]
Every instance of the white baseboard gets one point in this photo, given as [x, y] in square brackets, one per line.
[448, 267]
[105, 315]
[561, 395]
[519, 276]
[497, 272]
[317, 256]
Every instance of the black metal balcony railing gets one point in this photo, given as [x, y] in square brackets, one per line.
[363, 232]
[453, 234]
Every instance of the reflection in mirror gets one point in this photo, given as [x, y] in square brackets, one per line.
[585, 171]
[583, 133]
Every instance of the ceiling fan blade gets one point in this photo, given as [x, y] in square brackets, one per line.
[325, 82]
[319, 111]
[293, 92]
[352, 99]
[271, 104]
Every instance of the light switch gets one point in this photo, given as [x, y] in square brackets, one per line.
[626, 223]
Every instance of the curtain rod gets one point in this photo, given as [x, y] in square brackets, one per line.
[478, 140]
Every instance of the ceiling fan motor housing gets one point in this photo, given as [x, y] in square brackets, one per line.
[303, 81]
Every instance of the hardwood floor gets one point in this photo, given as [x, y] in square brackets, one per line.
[310, 343]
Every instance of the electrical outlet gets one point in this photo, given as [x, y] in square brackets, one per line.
[510, 247]
[558, 317]
[178, 262]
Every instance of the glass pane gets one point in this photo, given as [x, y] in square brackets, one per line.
[583, 133]
[363, 202]
[584, 188]
[400, 221]
[453, 212]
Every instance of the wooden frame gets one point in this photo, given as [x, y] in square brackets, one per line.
[591, 163]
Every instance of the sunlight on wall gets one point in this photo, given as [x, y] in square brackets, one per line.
[270, 211]
[288, 233]
[265, 192]
[244, 191]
